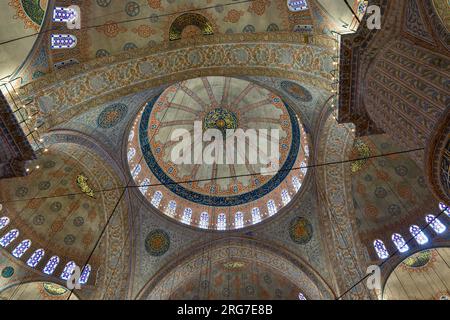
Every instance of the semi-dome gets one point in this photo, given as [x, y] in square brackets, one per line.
[233, 192]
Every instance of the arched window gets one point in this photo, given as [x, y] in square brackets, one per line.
[171, 207]
[9, 237]
[156, 200]
[303, 168]
[187, 215]
[4, 221]
[68, 269]
[84, 277]
[63, 41]
[444, 208]
[144, 186]
[204, 220]
[136, 171]
[61, 14]
[380, 248]
[256, 215]
[418, 234]
[131, 153]
[239, 220]
[296, 183]
[399, 242]
[301, 296]
[51, 265]
[306, 150]
[435, 223]
[35, 258]
[221, 221]
[285, 197]
[297, 5]
[271, 207]
[21, 248]
[131, 136]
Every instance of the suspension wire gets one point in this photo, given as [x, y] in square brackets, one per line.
[117, 204]
[130, 20]
[229, 177]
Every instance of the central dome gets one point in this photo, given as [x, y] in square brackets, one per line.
[177, 130]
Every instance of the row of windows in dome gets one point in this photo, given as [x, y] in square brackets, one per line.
[415, 231]
[221, 219]
[37, 256]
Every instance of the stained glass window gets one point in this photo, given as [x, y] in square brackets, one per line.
[9, 237]
[21, 248]
[256, 215]
[171, 207]
[418, 234]
[84, 277]
[297, 5]
[285, 197]
[380, 248]
[362, 7]
[301, 296]
[303, 168]
[204, 220]
[187, 214]
[221, 221]
[131, 136]
[68, 269]
[35, 258]
[156, 200]
[136, 171]
[399, 242]
[296, 182]
[144, 186]
[306, 150]
[239, 220]
[51, 265]
[271, 207]
[131, 153]
[63, 41]
[444, 208]
[61, 14]
[435, 223]
[4, 221]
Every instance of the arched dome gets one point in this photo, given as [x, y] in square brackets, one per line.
[227, 194]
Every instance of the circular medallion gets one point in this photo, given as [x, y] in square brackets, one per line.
[220, 119]
[157, 242]
[21, 192]
[39, 220]
[44, 185]
[7, 272]
[296, 91]
[300, 230]
[132, 9]
[78, 221]
[56, 206]
[112, 115]
[69, 239]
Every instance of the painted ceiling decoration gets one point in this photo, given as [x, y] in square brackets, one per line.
[31, 12]
[219, 102]
[96, 84]
[106, 193]
[188, 25]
